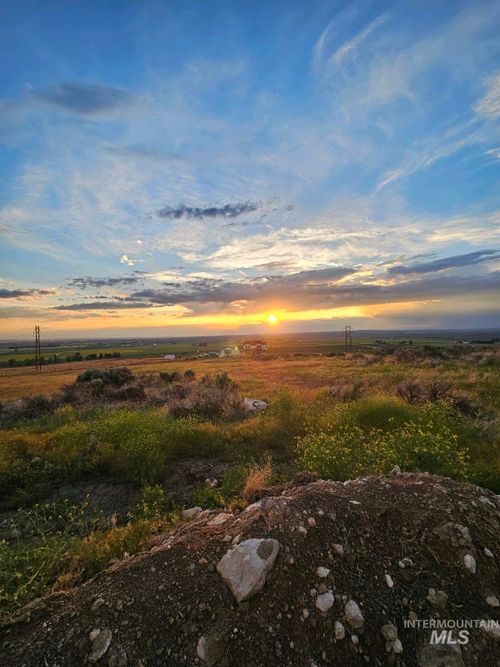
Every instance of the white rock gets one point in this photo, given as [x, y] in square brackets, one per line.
[253, 506]
[100, 645]
[219, 519]
[339, 630]
[389, 581]
[311, 521]
[302, 530]
[470, 563]
[397, 646]
[93, 634]
[338, 548]
[492, 600]
[322, 572]
[437, 598]
[191, 512]
[353, 614]
[210, 649]
[97, 604]
[253, 404]
[245, 567]
[211, 482]
[325, 601]
[488, 552]
[355, 639]
[389, 632]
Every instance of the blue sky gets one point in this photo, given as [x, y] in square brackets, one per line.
[195, 166]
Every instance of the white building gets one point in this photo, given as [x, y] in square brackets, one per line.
[255, 347]
[169, 357]
[229, 352]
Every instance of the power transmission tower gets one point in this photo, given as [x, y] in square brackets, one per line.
[347, 337]
[38, 352]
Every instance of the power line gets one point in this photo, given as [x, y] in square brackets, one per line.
[347, 337]
[38, 350]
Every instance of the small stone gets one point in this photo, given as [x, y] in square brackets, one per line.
[191, 512]
[93, 634]
[302, 530]
[339, 630]
[227, 538]
[117, 657]
[437, 599]
[338, 548]
[97, 604]
[397, 646]
[325, 601]
[219, 519]
[492, 600]
[210, 648]
[305, 613]
[470, 563]
[100, 645]
[486, 502]
[353, 614]
[311, 521]
[389, 632]
[488, 552]
[355, 639]
[322, 572]
[389, 581]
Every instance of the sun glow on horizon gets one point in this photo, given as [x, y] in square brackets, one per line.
[272, 318]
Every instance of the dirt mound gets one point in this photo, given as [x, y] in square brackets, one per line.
[354, 563]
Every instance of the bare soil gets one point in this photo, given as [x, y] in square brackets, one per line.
[156, 606]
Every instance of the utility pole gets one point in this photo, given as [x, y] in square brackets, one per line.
[347, 337]
[38, 353]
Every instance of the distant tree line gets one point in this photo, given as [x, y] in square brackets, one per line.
[59, 359]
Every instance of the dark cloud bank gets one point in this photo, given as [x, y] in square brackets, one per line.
[83, 98]
[194, 213]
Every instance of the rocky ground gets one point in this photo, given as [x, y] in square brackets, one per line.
[314, 573]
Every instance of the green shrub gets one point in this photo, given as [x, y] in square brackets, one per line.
[132, 443]
[190, 436]
[30, 565]
[154, 503]
[207, 497]
[352, 445]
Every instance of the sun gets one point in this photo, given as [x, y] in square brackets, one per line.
[272, 318]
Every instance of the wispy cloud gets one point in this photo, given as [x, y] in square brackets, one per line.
[489, 105]
[467, 259]
[348, 49]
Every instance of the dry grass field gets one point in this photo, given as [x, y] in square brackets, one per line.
[261, 378]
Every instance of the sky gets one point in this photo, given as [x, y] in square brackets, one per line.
[184, 168]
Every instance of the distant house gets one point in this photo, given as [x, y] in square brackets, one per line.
[254, 347]
[169, 357]
[229, 352]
